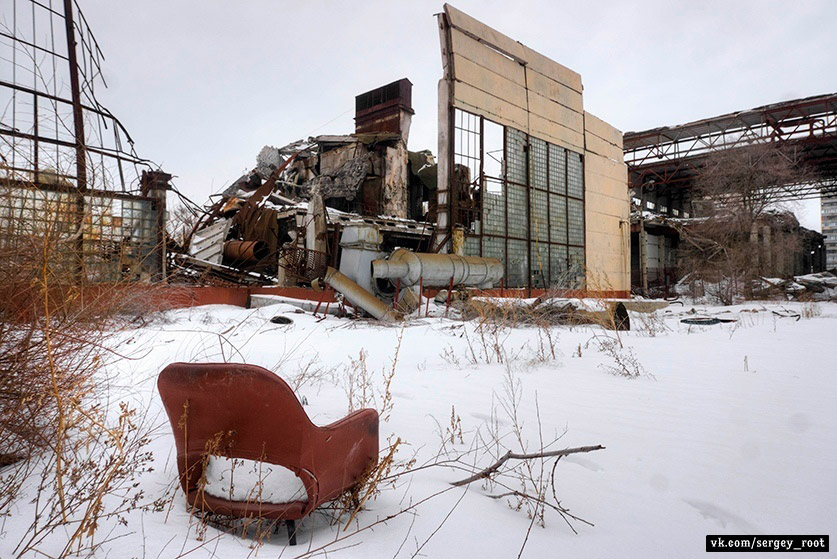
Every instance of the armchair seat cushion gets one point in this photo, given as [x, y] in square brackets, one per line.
[224, 411]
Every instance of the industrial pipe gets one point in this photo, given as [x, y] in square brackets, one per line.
[359, 297]
[246, 251]
[438, 269]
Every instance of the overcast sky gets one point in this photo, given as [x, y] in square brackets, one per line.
[202, 85]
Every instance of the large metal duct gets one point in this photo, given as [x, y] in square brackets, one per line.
[436, 270]
[246, 251]
[359, 297]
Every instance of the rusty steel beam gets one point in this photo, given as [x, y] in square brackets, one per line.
[122, 156]
[78, 111]
[674, 155]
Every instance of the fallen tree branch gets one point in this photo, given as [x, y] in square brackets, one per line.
[482, 474]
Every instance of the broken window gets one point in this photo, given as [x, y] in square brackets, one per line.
[492, 161]
[520, 199]
[467, 157]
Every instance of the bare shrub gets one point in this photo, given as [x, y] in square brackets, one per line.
[58, 429]
[362, 391]
[450, 357]
[310, 372]
[181, 221]
[361, 387]
[623, 360]
[493, 330]
[525, 478]
[650, 324]
[454, 430]
[547, 341]
[811, 310]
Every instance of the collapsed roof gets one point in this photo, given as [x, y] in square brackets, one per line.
[297, 197]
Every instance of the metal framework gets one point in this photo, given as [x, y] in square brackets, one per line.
[519, 199]
[50, 118]
[671, 156]
[66, 162]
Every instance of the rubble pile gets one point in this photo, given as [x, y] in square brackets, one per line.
[821, 286]
[282, 222]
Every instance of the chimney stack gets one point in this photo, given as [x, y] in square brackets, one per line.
[385, 109]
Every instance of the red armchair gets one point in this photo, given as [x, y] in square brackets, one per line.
[245, 411]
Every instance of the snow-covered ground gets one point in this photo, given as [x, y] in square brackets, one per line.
[728, 430]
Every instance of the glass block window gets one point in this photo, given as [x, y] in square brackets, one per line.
[537, 163]
[575, 213]
[518, 226]
[118, 233]
[517, 268]
[539, 223]
[472, 246]
[531, 204]
[575, 175]
[494, 247]
[494, 208]
[558, 266]
[575, 274]
[516, 156]
[557, 219]
[119, 236]
[540, 264]
[557, 169]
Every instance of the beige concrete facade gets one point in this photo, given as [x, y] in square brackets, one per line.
[491, 75]
[607, 208]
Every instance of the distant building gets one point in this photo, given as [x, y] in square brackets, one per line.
[829, 229]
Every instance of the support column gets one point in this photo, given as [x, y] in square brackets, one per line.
[78, 129]
[155, 185]
[643, 245]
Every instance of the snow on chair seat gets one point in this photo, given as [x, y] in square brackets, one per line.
[239, 479]
[245, 412]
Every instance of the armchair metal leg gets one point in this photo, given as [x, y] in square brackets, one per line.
[291, 531]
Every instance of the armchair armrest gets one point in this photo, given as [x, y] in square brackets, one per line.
[342, 451]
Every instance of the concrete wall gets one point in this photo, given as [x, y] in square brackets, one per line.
[606, 207]
[505, 81]
[492, 75]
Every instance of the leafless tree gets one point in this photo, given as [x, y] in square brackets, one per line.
[737, 195]
[180, 223]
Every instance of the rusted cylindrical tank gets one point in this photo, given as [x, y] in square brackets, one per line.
[436, 270]
[245, 251]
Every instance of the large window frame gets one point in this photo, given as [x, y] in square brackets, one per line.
[539, 181]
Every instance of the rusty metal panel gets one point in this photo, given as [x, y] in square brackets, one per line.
[380, 109]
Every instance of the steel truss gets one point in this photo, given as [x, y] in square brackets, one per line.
[672, 156]
[52, 127]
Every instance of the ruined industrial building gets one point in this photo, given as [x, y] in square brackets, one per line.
[665, 164]
[525, 192]
[522, 175]
[498, 325]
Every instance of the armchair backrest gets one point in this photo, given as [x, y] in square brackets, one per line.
[234, 410]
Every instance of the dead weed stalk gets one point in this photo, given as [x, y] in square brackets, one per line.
[57, 426]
